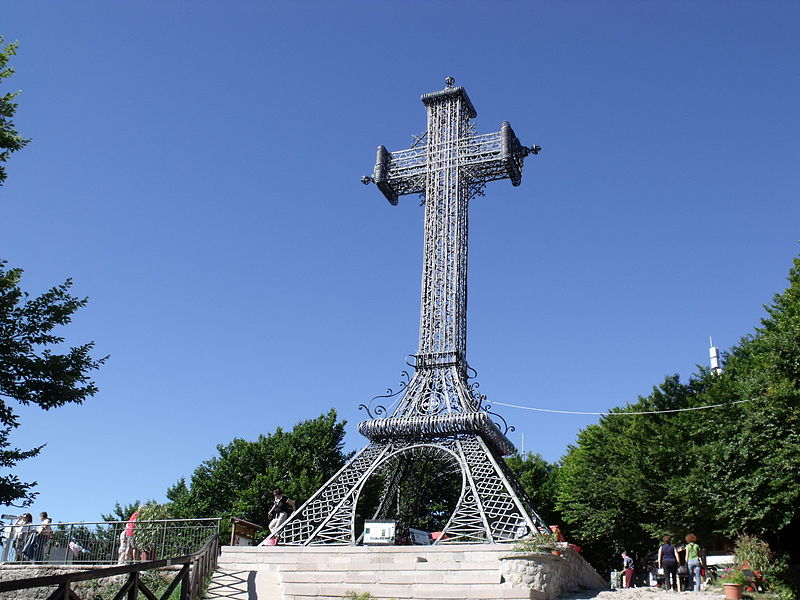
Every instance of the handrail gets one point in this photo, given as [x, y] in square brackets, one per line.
[103, 542]
[191, 577]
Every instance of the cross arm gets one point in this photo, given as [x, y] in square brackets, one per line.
[493, 156]
[481, 158]
[399, 173]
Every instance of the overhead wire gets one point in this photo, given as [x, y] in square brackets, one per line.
[605, 414]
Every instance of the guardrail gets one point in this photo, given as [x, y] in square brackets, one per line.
[191, 577]
[106, 542]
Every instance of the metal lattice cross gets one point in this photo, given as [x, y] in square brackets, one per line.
[439, 414]
[449, 165]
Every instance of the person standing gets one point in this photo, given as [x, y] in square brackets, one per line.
[668, 560]
[22, 530]
[43, 534]
[693, 561]
[282, 507]
[127, 540]
[627, 564]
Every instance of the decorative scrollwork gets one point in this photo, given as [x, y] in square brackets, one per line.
[422, 427]
[503, 424]
[374, 412]
[379, 410]
[474, 390]
[477, 189]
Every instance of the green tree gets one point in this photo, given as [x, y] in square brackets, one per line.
[10, 140]
[239, 481]
[755, 447]
[31, 373]
[619, 484]
[538, 480]
[121, 512]
[630, 479]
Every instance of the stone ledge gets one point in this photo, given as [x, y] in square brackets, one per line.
[548, 576]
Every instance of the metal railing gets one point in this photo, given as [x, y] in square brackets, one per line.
[106, 542]
[190, 579]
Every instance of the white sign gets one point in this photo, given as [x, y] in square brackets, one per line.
[379, 533]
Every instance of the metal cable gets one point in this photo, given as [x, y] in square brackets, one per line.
[604, 414]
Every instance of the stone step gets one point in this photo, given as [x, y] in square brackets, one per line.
[466, 572]
[309, 565]
[376, 555]
[483, 576]
[405, 592]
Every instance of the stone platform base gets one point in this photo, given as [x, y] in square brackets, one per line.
[451, 572]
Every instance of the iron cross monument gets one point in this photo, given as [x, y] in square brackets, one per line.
[438, 415]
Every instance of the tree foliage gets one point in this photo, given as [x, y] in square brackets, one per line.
[239, 481]
[418, 488]
[630, 479]
[32, 372]
[538, 480]
[10, 140]
[121, 512]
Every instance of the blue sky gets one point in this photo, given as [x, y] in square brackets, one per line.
[195, 169]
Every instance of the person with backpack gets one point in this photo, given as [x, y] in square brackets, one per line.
[668, 561]
[693, 561]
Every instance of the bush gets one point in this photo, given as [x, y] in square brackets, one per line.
[762, 570]
[753, 553]
[149, 535]
[351, 595]
[777, 576]
[540, 542]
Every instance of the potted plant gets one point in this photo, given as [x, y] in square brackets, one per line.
[539, 542]
[150, 528]
[733, 580]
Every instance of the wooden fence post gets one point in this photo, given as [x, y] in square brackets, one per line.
[133, 590]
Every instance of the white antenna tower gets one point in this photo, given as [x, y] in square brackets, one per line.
[713, 353]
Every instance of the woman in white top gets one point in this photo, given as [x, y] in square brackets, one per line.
[20, 531]
[43, 534]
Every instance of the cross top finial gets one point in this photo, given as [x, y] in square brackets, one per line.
[449, 82]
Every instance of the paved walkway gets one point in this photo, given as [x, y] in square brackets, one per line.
[648, 593]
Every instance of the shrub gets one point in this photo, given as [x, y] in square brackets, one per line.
[753, 553]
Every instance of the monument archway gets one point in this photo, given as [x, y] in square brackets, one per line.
[418, 487]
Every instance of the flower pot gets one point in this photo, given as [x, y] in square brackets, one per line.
[733, 591]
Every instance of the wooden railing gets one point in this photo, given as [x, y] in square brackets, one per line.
[191, 577]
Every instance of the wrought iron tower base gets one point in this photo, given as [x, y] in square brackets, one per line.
[491, 507]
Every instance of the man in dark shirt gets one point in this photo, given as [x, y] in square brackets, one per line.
[627, 564]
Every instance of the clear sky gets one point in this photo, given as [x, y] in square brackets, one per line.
[195, 168]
